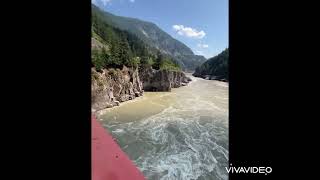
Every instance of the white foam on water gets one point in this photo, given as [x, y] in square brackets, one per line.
[118, 131]
[189, 150]
[187, 140]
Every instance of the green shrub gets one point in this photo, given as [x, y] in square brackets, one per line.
[135, 62]
[146, 61]
[98, 60]
[168, 64]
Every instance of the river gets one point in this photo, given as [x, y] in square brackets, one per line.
[177, 135]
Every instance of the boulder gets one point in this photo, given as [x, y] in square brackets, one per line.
[137, 94]
[116, 103]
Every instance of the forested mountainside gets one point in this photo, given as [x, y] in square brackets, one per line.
[215, 68]
[153, 37]
[113, 48]
[124, 66]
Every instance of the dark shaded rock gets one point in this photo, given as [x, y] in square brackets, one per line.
[116, 103]
[137, 94]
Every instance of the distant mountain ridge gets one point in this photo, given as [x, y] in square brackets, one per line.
[156, 38]
[215, 68]
[123, 66]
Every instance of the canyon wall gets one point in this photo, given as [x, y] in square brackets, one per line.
[110, 87]
[162, 80]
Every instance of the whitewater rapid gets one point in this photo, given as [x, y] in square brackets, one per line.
[180, 135]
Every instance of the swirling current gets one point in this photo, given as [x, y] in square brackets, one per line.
[177, 135]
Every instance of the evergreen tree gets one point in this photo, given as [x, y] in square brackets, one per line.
[124, 48]
[158, 60]
[98, 60]
[124, 55]
[115, 54]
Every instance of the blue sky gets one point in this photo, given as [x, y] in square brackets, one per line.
[200, 24]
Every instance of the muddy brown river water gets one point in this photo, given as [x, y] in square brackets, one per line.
[182, 134]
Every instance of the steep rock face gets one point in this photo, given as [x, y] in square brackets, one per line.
[112, 86]
[162, 80]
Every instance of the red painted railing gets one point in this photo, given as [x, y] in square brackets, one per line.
[109, 162]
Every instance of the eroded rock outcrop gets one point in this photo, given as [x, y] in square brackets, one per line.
[162, 80]
[113, 86]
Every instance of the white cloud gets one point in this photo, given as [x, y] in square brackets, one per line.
[188, 31]
[104, 2]
[203, 45]
[199, 52]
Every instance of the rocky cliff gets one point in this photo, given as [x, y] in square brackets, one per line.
[113, 86]
[162, 80]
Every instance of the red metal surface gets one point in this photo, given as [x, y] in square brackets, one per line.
[109, 162]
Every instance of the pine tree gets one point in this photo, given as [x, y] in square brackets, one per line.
[124, 55]
[115, 53]
[158, 60]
